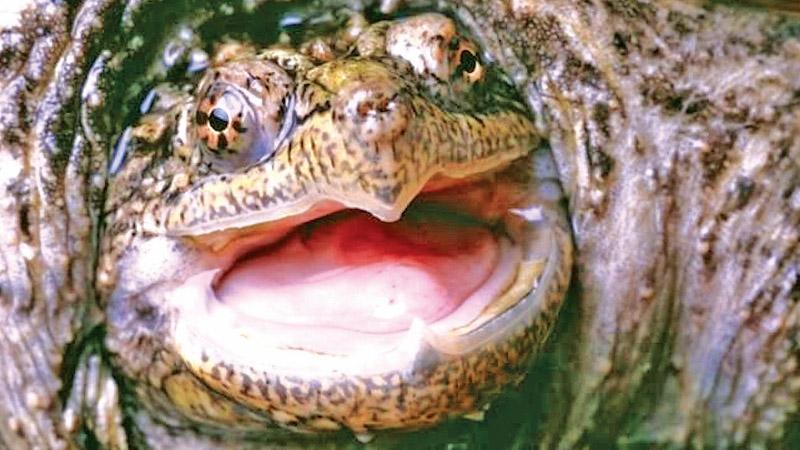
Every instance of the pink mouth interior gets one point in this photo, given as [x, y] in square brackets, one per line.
[354, 272]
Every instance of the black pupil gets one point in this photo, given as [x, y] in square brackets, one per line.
[218, 119]
[468, 61]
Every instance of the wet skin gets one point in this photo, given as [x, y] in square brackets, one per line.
[673, 126]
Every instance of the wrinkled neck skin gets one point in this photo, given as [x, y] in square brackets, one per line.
[613, 92]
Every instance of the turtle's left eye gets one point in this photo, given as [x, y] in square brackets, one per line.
[467, 63]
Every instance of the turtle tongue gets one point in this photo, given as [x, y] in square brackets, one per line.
[354, 272]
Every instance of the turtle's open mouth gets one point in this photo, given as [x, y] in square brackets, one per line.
[334, 318]
[339, 291]
[353, 272]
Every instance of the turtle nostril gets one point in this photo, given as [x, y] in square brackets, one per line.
[218, 119]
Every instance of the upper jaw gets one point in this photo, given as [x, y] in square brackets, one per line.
[371, 144]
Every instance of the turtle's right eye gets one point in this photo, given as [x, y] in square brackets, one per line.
[218, 120]
[242, 113]
[225, 122]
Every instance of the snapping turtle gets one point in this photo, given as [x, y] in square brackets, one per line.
[672, 128]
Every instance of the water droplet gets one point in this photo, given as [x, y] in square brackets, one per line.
[198, 61]
[291, 20]
[120, 151]
[173, 52]
[148, 101]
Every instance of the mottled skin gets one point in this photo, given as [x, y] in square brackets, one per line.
[674, 125]
[407, 106]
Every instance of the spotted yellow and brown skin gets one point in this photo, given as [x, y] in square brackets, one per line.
[415, 107]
